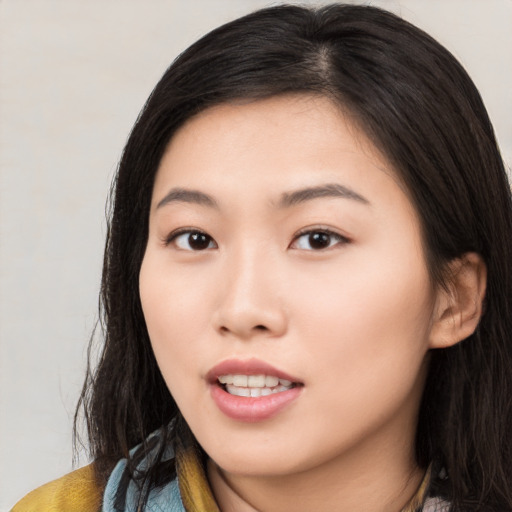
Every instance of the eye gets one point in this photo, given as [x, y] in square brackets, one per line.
[191, 240]
[317, 240]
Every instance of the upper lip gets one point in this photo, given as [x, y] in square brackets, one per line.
[247, 367]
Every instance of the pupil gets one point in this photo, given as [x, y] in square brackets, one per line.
[198, 241]
[319, 240]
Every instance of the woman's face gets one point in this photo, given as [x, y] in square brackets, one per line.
[283, 248]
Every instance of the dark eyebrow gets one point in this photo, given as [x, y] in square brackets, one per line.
[183, 195]
[289, 199]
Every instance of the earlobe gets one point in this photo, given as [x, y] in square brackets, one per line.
[459, 304]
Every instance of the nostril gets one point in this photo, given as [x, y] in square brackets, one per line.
[260, 327]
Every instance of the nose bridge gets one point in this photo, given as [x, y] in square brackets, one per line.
[251, 301]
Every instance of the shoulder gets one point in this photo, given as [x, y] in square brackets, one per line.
[75, 492]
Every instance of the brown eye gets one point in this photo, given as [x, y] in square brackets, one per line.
[198, 241]
[318, 240]
[192, 241]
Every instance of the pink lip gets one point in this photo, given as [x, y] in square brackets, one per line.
[247, 367]
[249, 409]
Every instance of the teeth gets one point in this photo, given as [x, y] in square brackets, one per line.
[234, 390]
[271, 381]
[240, 380]
[256, 381]
[254, 392]
[253, 386]
[253, 381]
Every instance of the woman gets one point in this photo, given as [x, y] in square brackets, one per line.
[306, 288]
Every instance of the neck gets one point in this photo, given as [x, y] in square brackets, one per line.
[367, 479]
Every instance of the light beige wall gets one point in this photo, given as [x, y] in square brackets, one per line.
[73, 76]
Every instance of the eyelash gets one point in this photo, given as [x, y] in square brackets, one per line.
[339, 239]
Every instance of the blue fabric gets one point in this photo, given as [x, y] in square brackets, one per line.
[163, 499]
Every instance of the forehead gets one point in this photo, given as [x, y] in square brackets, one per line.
[269, 146]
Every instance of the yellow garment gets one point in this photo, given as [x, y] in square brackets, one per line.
[195, 490]
[75, 492]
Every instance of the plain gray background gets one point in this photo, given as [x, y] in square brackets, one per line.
[73, 76]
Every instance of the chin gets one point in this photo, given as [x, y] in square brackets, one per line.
[254, 462]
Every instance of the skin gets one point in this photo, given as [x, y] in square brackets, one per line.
[353, 322]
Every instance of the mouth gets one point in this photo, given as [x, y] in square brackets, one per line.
[251, 390]
[253, 386]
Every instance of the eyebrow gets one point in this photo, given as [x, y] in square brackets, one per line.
[289, 199]
[183, 195]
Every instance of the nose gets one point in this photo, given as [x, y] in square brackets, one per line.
[251, 302]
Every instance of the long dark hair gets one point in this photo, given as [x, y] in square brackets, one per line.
[420, 108]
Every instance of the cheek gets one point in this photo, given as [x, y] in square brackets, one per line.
[174, 309]
[366, 317]
[363, 335]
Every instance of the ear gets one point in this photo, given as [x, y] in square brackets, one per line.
[458, 306]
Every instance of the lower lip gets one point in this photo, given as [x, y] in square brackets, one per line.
[256, 409]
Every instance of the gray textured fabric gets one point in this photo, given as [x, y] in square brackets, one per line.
[436, 505]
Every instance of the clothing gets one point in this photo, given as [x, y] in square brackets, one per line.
[436, 505]
[189, 492]
[74, 492]
[167, 499]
